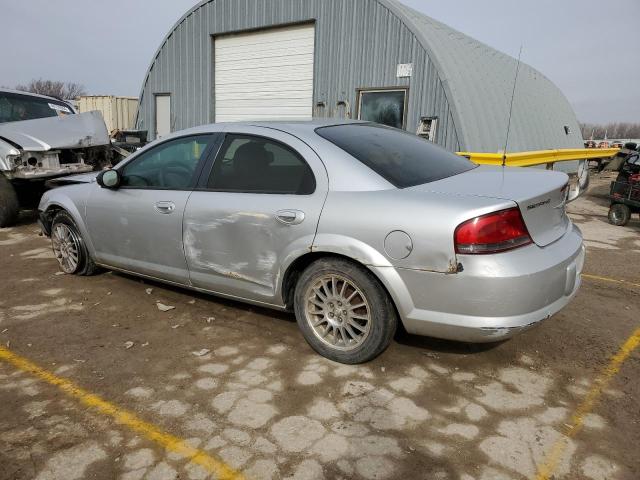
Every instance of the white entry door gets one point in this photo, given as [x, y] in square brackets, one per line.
[163, 115]
[265, 74]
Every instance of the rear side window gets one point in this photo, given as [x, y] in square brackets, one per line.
[258, 165]
[401, 158]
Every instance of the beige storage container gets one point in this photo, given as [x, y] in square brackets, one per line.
[119, 113]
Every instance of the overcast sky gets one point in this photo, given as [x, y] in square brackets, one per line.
[589, 48]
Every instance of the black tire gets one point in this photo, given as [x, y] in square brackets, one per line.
[85, 264]
[9, 207]
[382, 314]
[619, 214]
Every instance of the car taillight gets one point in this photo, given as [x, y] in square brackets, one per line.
[492, 233]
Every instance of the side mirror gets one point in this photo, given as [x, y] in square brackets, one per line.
[109, 179]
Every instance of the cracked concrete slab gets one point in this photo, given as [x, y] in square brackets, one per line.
[262, 401]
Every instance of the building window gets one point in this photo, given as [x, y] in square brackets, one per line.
[427, 128]
[385, 106]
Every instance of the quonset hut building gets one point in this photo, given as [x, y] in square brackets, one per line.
[378, 60]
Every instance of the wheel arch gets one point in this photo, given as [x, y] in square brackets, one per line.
[50, 207]
[47, 215]
[387, 277]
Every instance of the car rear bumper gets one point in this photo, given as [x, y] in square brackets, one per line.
[495, 296]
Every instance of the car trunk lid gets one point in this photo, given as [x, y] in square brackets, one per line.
[539, 194]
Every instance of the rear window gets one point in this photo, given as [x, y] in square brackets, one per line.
[401, 158]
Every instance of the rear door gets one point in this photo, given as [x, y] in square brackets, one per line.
[138, 227]
[257, 208]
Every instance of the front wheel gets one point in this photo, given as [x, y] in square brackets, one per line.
[343, 311]
[619, 214]
[9, 207]
[68, 246]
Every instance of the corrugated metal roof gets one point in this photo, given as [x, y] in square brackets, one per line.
[465, 83]
[478, 82]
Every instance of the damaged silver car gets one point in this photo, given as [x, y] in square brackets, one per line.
[353, 226]
[43, 138]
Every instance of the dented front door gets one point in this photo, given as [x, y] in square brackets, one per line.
[236, 242]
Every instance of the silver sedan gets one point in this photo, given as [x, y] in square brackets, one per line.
[353, 226]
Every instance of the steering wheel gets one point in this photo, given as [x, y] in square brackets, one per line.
[175, 169]
[145, 180]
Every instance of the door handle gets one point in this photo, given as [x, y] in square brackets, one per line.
[290, 217]
[165, 207]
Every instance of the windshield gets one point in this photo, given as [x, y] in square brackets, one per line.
[401, 158]
[15, 107]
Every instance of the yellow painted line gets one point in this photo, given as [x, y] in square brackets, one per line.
[124, 417]
[547, 469]
[610, 280]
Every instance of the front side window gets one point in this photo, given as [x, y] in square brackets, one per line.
[403, 159]
[386, 107]
[170, 165]
[258, 165]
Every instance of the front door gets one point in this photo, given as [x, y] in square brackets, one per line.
[138, 227]
[259, 207]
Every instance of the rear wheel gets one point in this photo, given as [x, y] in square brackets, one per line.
[343, 311]
[9, 206]
[619, 214]
[68, 246]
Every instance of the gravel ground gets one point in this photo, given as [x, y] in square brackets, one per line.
[240, 383]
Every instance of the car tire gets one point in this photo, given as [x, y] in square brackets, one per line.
[69, 247]
[619, 214]
[9, 207]
[343, 311]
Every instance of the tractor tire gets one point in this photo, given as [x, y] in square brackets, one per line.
[619, 214]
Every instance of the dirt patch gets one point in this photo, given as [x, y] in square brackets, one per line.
[240, 382]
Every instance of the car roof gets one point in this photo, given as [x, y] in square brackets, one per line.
[302, 128]
[300, 125]
[354, 174]
[21, 92]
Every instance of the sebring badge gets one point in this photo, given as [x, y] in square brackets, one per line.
[539, 204]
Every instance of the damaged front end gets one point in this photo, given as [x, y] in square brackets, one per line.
[52, 147]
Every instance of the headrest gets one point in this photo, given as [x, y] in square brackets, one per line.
[252, 156]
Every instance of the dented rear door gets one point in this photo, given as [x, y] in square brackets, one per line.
[237, 235]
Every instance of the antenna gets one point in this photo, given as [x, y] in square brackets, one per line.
[513, 95]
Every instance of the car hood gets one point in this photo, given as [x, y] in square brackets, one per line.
[71, 131]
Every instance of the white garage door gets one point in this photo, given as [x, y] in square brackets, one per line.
[266, 74]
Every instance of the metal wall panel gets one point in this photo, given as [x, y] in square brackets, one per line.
[359, 43]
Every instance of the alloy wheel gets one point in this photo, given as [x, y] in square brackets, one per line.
[338, 312]
[66, 247]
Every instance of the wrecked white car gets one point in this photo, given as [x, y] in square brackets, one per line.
[42, 138]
